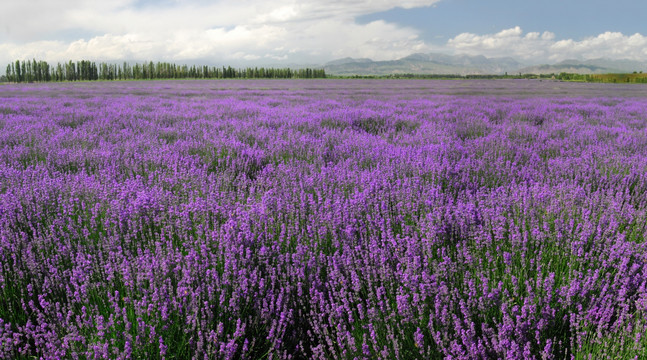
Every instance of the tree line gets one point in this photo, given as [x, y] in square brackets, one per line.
[635, 77]
[84, 70]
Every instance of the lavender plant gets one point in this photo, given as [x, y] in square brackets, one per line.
[322, 219]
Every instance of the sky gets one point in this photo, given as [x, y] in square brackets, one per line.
[220, 32]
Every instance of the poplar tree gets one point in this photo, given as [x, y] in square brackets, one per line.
[41, 71]
[24, 76]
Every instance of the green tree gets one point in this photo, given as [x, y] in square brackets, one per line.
[24, 76]
[18, 71]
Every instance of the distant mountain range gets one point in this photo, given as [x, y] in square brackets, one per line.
[594, 66]
[443, 64]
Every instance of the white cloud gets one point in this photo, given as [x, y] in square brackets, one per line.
[544, 47]
[282, 30]
[219, 31]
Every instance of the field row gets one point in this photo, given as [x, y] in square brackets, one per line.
[166, 220]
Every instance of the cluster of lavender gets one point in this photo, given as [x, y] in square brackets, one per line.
[323, 219]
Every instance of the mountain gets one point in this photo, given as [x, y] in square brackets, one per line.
[424, 64]
[443, 64]
[349, 60]
[593, 66]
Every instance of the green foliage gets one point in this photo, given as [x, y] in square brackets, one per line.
[84, 70]
[635, 77]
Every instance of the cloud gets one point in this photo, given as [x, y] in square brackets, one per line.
[224, 32]
[544, 47]
[179, 30]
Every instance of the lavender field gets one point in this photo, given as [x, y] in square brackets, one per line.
[323, 219]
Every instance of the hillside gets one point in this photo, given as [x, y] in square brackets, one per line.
[443, 64]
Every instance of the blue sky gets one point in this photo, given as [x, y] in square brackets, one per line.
[568, 19]
[316, 31]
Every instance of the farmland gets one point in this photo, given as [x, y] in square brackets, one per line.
[327, 219]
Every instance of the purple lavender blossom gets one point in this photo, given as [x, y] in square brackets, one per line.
[323, 219]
